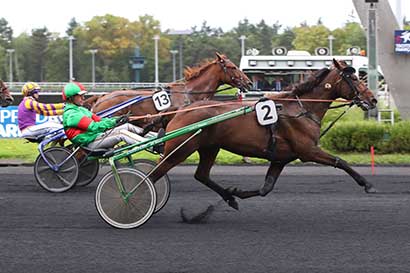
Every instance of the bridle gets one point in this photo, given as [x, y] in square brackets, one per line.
[237, 81]
[5, 94]
[346, 75]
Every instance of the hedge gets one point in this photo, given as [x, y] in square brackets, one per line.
[351, 136]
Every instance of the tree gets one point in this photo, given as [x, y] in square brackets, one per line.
[202, 44]
[310, 37]
[2, 61]
[351, 35]
[38, 50]
[265, 35]
[57, 61]
[285, 39]
[6, 33]
[116, 38]
[22, 45]
[71, 27]
[406, 24]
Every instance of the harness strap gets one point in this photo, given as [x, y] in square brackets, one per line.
[334, 121]
[272, 141]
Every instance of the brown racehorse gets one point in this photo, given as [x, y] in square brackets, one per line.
[5, 97]
[200, 83]
[297, 132]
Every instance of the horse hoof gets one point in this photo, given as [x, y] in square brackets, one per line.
[233, 204]
[232, 190]
[370, 189]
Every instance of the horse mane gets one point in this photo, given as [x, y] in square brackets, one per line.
[194, 72]
[313, 80]
[307, 86]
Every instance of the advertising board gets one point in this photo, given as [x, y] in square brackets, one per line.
[9, 124]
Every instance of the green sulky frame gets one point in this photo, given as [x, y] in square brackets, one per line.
[127, 151]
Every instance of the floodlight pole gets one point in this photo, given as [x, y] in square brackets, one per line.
[156, 38]
[399, 13]
[10, 51]
[372, 48]
[330, 38]
[174, 76]
[70, 40]
[242, 38]
[93, 52]
[181, 55]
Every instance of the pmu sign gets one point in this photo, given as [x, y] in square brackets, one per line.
[402, 41]
[9, 124]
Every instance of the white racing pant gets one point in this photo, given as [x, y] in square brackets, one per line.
[126, 132]
[40, 129]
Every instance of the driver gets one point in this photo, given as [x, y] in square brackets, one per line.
[84, 128]
[29, 107]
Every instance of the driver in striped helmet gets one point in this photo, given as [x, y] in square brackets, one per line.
[28, 109]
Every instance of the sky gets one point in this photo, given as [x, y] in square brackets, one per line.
[25, 15]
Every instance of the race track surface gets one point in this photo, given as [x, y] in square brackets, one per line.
[317, 219]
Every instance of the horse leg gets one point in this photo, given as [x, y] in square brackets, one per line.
[206, 161]
[172, 161]
[270, 180]
[319, 156]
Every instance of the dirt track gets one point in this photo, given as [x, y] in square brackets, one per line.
[316, 220]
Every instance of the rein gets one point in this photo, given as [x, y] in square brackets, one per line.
[336, 119]
[132, 118]
[178, 92]
[193, 92]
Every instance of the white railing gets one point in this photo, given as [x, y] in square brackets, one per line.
[56, 87]
[385, 105]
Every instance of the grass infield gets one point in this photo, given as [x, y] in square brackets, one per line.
[27, 152]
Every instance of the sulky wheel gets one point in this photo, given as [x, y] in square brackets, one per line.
[121, 212]
[88, 171]
[65, 174]
[162, 186]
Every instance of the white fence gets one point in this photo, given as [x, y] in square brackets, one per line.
[56, 87]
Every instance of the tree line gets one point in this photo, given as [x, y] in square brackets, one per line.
[44, 56]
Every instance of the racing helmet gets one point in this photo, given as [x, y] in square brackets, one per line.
[73, 88]
[30, 88]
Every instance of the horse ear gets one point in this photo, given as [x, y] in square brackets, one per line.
[336, 64]
[349, 70]
[220, 57]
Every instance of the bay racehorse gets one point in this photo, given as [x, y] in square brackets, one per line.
[5, 97]
[200, 83]
[296, 134]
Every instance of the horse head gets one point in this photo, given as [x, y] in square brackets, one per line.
[352, 88]
[232, 74]
[5, 97]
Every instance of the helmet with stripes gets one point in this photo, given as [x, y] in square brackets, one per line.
[30, 88]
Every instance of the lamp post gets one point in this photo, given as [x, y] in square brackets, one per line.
[330, 38]
[93, 52]
[173, 52]
[70, 46]
[242, 38]
[10, 52]
[399, 13]
[180, 33]
[372, 50]
[156, 38]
